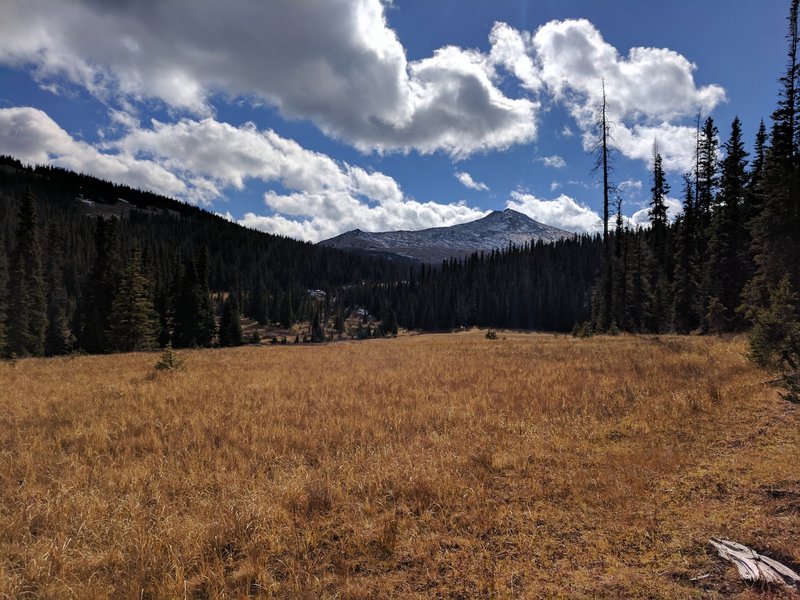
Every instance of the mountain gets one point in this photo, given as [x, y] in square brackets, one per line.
[498, 229]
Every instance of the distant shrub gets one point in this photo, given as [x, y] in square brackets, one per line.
[586, 330]
[255, 338]
[613, 330]
[169, 360]
[491, 335]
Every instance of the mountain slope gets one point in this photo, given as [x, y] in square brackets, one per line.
[498, 229]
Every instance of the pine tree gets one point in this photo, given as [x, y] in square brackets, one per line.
[619, 270]
[100, 288]
[338, 322]
[27, 305]
[3, 297]
[58, 334]
[759, 158]
[257, 304]
[207, 326]
[191, 325]
[684, 286]
[317, 333]
[659, 224]
[774, 230]
[133, 322]
[707, 176]
[230, 326]
[727, 266]
[640, 297]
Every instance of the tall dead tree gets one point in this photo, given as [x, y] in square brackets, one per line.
[603, 152]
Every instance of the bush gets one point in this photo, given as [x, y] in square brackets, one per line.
[774, 326]
[491, 335]
[169, 360]
[775, 338]
[586, 330]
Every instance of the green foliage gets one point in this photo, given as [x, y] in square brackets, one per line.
[715, 316]
[100, 287]
[194, 314]
[169, 360]
[338, 322]
[3, 297]
[27, 306]
[584, 330]
[230, 325]
[133, 322]
[491, 335]
[58, 337]
[685, 278]
[317, 332]
[775, 327]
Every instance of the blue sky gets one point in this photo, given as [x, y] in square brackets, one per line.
[310, 118]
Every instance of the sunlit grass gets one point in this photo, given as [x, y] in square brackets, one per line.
[425, 466]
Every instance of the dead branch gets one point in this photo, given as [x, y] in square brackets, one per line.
[753, 566]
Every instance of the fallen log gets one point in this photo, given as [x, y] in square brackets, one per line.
[753, 566]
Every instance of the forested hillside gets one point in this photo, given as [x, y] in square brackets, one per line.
[85, 261]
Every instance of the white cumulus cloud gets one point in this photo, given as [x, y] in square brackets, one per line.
[554, 161]
[563, 212]
[337, 63]
[467, 181]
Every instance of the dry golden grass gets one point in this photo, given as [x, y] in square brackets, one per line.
[428, 466]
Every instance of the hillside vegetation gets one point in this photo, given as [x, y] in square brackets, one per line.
[426, 466]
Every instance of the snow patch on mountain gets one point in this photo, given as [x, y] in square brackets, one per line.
[496, 230]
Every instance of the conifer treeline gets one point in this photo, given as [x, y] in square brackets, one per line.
[737, 240]
[88, 265]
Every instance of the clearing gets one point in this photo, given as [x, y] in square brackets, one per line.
[425, 466]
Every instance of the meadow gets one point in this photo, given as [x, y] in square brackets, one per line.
[429, 466]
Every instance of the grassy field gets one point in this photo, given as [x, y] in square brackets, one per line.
[427, 466]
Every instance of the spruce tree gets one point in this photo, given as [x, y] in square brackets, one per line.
[619, 270]
[640, 297]
[133, 322]
[3, 297]
[58, 334]
[684, 286]
[317, 333]
[775, 229]
[230, 326]
[759, 159]
[188, 309]
[707, 175]
[27, 305]
[727, 267]
[659, 225]
[101, 286]
[207, 325]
